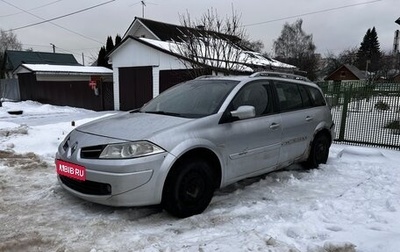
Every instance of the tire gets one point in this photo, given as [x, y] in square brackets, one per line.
[189, 188]
[319, 151]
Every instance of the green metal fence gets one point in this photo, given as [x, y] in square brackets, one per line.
[365, 113]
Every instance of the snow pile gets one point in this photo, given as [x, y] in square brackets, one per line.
[350, 204]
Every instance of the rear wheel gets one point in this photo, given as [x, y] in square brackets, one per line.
[189, 188]
[319, 151]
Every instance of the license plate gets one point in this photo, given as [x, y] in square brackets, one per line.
[71, 170]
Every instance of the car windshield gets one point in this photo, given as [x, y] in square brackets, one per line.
[192, 99]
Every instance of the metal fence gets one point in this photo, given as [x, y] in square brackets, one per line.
[365, 113]
[9, 89]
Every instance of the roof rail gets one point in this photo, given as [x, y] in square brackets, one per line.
[280, 75]
[205, 76]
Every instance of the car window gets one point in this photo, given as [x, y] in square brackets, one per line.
[289, 96]
[305, 97]
[316, 96]
[256, 94]
[192, 99]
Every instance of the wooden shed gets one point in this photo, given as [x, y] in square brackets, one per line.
[346, 72]
[76, 86]
[13, 59]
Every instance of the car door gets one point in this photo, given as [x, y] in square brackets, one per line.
[251, 146]
[298, 119]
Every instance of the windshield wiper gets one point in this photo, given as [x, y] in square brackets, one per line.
[162, 113]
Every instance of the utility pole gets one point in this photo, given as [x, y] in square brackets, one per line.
[54, 47]
[396, 45]
[143, 5]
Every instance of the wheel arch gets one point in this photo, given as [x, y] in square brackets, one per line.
[318, 132]
[323, 131]
[202, 153]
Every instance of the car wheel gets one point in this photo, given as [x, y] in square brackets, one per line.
[188, 189]
[319, 151]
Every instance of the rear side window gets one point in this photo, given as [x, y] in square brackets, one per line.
[289, 96]
[307, 102]
[316, 96]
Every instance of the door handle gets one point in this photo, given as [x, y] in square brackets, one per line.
[274, 126]
[309, 118]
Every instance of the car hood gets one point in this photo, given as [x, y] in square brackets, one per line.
[132, 126]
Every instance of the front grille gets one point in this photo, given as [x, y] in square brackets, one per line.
[92, 152]
[87, 187]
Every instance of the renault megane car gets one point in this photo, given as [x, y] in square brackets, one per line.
[196, 137]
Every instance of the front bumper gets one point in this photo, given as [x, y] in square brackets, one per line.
[106, 184]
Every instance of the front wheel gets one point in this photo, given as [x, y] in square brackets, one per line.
[319, 151]
[188, 189]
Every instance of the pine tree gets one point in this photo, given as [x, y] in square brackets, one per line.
[118, 39]
[109, 44]
[101, 59]
[369, 53]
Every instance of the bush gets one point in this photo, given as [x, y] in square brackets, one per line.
[395, 125]
[380, 105]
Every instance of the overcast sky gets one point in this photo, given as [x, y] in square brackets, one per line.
[335, 25]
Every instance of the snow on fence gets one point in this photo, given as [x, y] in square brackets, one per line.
[365, 113]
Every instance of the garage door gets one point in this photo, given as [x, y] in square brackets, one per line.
[135, 86]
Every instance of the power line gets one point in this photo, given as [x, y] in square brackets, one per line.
[49, 20]
[71, 50]
[41, 6]
[313, 12]
[52, 19]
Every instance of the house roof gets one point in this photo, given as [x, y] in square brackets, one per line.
[15, 58]
[352, 69]
[58, 69]
[170, 32]
[247, 59]
[357, 72]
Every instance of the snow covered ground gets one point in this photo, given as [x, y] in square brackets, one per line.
[350, 204]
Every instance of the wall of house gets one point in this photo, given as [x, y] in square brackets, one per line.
[343, 74]
[135, 54]
[169, 78]
[141, 31]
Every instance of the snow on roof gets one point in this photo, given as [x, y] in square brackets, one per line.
[245, 57]
[62, 69]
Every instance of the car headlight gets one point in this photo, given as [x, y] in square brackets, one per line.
[130, 150]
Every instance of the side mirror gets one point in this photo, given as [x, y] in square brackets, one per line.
[244, 112]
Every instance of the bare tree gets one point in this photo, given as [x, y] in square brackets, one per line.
[389, 65]
[296, 47]
[253, 45]
[8, 41]
[212, 43]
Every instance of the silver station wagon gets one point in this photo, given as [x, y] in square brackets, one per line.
[196, 137]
